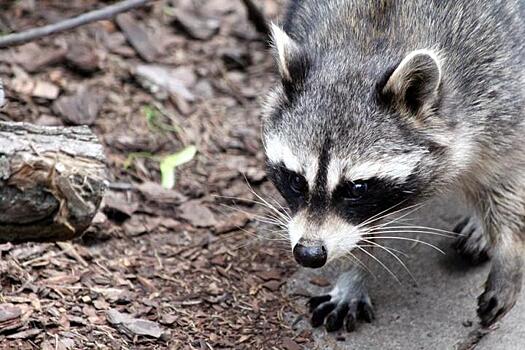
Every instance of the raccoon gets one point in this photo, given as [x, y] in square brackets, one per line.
[382, 104]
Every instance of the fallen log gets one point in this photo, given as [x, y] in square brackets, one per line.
[52, 180]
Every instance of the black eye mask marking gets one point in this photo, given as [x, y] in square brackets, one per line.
[359, 200]
[292, 186]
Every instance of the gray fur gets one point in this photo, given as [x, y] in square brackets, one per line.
[470, 133]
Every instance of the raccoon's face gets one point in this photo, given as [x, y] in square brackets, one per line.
[342, 149]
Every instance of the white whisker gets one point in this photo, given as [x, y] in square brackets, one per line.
[416, 227]
[379, 216]
[284, 215]
[389, 251]
[413, 240]
[387, 230]
[362, 264]
[381, 263]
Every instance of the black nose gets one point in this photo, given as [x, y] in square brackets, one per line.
[310, 253]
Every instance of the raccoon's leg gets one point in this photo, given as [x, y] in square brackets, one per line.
[504, 210]
[472, 243]
[347, 302]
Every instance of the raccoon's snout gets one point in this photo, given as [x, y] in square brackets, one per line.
[310, 253]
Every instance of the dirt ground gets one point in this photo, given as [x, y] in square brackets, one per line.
[188, 268]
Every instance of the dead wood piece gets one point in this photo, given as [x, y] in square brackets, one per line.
[52, 181]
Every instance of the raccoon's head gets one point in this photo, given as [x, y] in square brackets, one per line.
[348, 141]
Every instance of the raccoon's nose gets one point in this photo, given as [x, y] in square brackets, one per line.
[310, 253]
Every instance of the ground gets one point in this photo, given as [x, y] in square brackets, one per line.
[193, 267]
[183, 259]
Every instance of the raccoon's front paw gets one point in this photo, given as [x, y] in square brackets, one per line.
[472, 244]
[338, 309]
[501, 292]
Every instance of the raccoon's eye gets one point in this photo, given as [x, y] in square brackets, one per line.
[356, 190]
[297, 183]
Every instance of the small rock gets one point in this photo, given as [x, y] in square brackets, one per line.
[274, 286]
[116, 43]
[34, 58]
[77, 320]
[290, 344]
[168, 319]
[161, 81]
[68, 343]
[23, 85]
[30, 333]
[83, 58]
[233, 222]
[101, 304]
[269, 275]
[140, 224]
[44, 89]
[135, 326]
[204, 89]
[81, 108]
[195, 26]
[113, 295]
[235, 58]
[219, 7]
[137, 37]
[9, 312]
[48, 120]
[118, 207]
[197, 214]
[255, 175]
[154, 192]
[219, 260]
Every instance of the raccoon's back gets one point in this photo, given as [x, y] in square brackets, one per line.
[380, 25]
[481, 42]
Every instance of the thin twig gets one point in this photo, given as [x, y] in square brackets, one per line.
[70, 23]
[256, 17]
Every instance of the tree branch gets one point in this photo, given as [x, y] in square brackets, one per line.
[93, 16]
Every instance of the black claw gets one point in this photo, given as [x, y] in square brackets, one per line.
[350, 322]
[366, 312]
[351, 318]
[459, 227]
[336, 318]
[336, 314]
[319, 314]
[460, 245]
[314, 302]
[487, 310]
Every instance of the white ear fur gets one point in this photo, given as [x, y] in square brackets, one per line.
[284, 48]
[420, 70]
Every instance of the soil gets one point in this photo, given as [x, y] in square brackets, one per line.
[188, 268]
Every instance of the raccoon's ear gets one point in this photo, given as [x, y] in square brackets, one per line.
[415, 82]
[291, 60]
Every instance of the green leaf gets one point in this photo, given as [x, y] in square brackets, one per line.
[169, 163]
[152, 115]
[154, 120]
